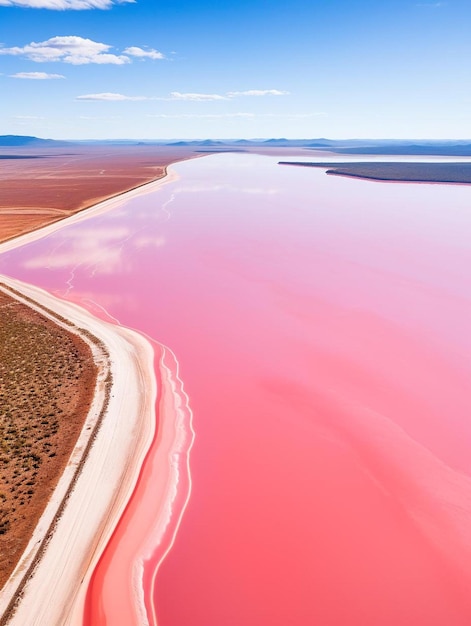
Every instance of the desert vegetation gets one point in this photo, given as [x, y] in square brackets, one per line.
[47, 378]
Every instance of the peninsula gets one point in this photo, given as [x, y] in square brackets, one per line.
[458, 172]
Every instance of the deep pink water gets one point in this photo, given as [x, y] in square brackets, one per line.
[322, 327]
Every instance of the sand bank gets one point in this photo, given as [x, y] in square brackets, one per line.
[54, 592]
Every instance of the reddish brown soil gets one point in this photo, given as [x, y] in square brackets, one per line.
[47, 379]
[53, 183]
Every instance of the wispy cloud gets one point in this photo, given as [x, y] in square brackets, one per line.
[431, 5]
[63, 5]
[196, 97]
[36, 75]
[77, 51]
[140, 53]
[200, 115]
[176, 95]
[188, 97]
[257, 92]
[110, 97]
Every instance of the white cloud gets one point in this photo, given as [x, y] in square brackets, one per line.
[36, 75]
[200, 116]
[257, 92]
[140, 53]
[110, 97]
[199, 97]
[188, 97]
[63, 5]
[196, 97]
[74, 50]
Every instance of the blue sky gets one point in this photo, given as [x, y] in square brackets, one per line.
[91, 69]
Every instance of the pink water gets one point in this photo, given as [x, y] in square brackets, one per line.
[322, 329]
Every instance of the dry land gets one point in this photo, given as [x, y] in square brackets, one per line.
[49, 583]
[398, 172]
[39, 186]
[47, 380]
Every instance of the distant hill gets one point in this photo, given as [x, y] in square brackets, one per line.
[33, 142]
[205, 142]
[277, 142]
[340, 146]
[347, 146]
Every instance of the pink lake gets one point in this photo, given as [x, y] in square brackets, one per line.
[322, 330]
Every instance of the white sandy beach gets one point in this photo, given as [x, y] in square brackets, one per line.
[55, 592]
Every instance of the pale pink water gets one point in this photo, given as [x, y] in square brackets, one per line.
[322, 327]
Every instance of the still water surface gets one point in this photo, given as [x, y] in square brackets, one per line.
[322, 330]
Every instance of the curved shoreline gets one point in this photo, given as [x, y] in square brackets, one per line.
[12, 590]
[83, 214]
[89, 506]
[377, 179]
[64, 213]
[121, 589]
[125, 431]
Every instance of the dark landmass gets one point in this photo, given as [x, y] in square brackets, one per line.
[22, 156]
[399, 172]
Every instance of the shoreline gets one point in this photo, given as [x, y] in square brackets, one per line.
[123, 172]
[87, 206]
[125, 431]
[121, 589]
[94, 209]
[94, 489]
[377, 179]
[44, 528]
[395, 171]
